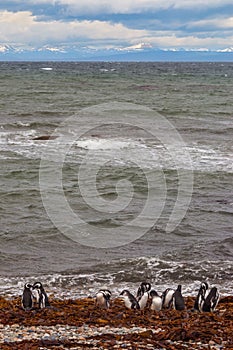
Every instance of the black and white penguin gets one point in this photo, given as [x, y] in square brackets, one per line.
[41, 296]
[201, 296]
[156, 301]
[167, 297]
[27, 297]
[130, 301]
[143, 288]
[102, 298]
[143, 300]
[211, 300]
[178, 300]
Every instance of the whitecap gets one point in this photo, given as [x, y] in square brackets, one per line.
[102, 144]
[46, 68]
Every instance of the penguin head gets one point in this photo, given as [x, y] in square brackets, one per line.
[38, 285]
[125, 293]
[147, 286]
[107, 294]
[143, 288]
[204, 285]
[153, 294]
[179, 288]
[28, 286]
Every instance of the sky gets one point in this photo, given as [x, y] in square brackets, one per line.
[105, 24]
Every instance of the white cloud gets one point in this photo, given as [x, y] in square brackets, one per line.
[190, 42]
[14, 24]
[24, 27]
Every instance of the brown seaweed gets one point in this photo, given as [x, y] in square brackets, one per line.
[167, 329]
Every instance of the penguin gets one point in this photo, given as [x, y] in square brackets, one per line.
[167, 297]
[130, 301]
[156, 303]
[27, 297]
[103, 298]
[178, 300]
[42, 298]
[202, 293]
[143, 300]
[211, 300]
[144, 287]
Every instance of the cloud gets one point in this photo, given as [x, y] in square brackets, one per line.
[12, 24]
[88, 7]
[134, 6]
[222, 23]
[174, 23]
[23, 26]
[190, 42]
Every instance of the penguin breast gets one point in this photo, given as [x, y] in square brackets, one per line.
[143, 301]
[156, 304]
[100, 300]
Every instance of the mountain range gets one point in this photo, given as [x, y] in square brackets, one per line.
[138, 52]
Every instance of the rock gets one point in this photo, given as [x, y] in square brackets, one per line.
[45, 137]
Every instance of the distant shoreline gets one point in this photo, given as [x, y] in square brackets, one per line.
[157, 56]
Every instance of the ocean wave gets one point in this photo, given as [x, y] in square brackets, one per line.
[118, 151]
[149, 152]
[108, 144]
[129, 273]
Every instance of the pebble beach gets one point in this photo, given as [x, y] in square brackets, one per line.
[79, 324]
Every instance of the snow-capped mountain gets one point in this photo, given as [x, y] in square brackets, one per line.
[136, 52]
[7, 48]
[228, 49]
[52, 49]
[139, 46]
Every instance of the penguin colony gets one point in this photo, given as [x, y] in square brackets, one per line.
[205, 301]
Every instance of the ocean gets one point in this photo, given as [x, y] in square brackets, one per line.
[135, 183]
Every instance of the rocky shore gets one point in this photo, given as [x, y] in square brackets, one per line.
[79, 324]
